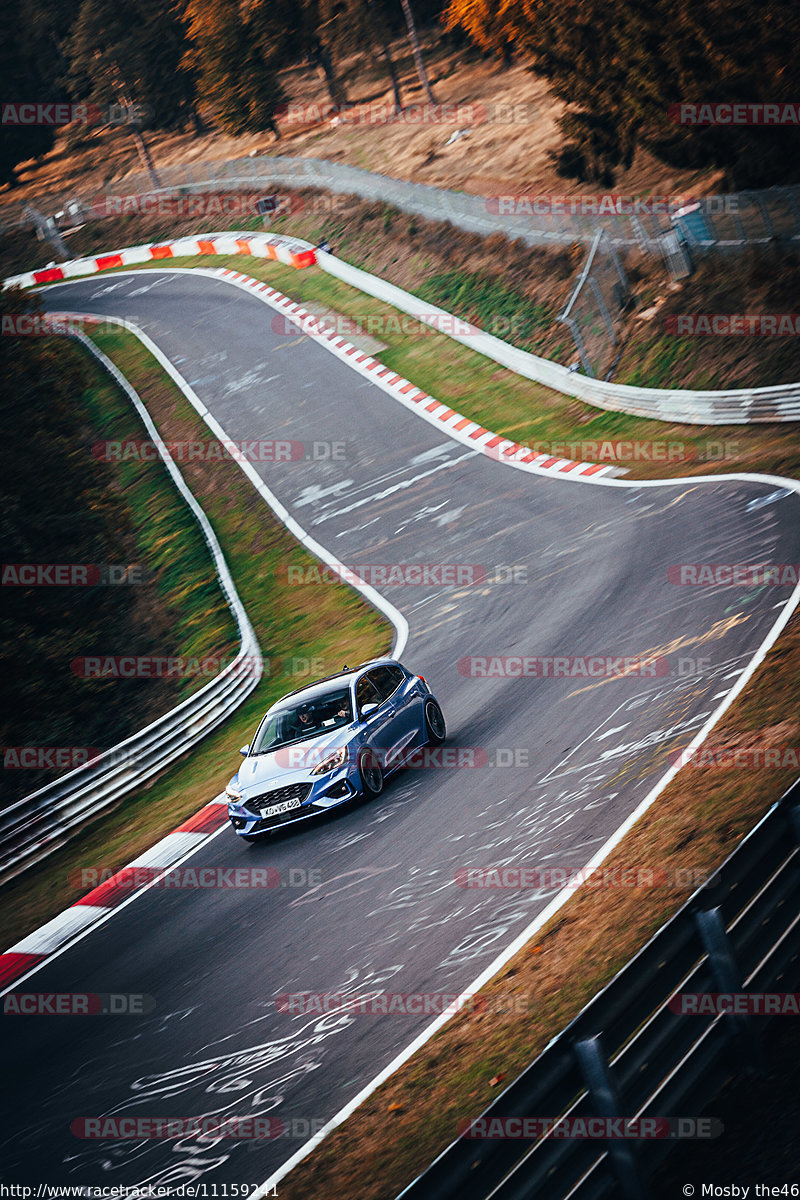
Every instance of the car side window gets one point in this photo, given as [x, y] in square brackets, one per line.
[386, 680]
[366, 693]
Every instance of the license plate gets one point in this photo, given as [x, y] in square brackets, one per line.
[275, 810]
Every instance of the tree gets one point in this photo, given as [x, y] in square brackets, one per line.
[233, 58]
[24, 81]
[412, 37]
[133, 51]
[621, 66]
[494, 25]
[377, 35]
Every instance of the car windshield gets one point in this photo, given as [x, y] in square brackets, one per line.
[303, 719]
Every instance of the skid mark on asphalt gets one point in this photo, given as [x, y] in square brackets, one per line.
[669, 719]
[715, 632]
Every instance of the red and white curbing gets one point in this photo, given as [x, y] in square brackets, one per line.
[290, 251]
[96, 905]
[463, 428]
[297, 253]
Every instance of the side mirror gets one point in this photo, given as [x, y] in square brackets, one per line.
[367, 709]
[245, 750]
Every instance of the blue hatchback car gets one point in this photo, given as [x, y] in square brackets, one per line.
[329, 742]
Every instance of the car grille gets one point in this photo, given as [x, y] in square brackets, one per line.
[295, 791]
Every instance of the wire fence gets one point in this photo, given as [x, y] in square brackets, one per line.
[539, 219]
[676, 228]
[594, 310]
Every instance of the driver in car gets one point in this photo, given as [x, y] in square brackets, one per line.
[302, 722]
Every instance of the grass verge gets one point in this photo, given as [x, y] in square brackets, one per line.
[170, 540]
[290, 624]
[524, 411]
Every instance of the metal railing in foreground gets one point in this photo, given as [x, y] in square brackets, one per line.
[629, 1054]
[38, 824]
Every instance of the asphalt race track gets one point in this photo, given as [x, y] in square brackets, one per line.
[387, 913]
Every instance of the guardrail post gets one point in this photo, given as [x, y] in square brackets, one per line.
[572, 326]
[604, 1099]
[728, 978]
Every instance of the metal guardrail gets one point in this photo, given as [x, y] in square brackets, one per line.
[734, 407]
[38, 824]
[628, 1055]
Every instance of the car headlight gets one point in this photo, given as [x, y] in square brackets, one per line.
[331, 762]
[232, 792]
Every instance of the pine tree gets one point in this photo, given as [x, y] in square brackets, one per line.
[132, 51]
[621, 66]
[24, 81]
[230, 54]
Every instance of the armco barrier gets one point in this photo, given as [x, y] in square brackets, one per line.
[37, 825]
[260, 245]
[742, 406]
[735, 407]
[629, 1055]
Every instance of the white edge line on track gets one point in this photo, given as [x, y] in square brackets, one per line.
[111, 911]
[221, 275]
[537, 923]
[561, 899]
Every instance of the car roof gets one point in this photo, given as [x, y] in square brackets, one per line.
[321, 687]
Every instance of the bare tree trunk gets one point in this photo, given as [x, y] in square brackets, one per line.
[412, 37]
[144, 154]
[136, 133]
[321, 56]
[198, 124]
[380, 37]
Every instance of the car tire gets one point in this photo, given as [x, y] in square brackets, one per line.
[371, 776]
[435, 728]
[253, 839]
